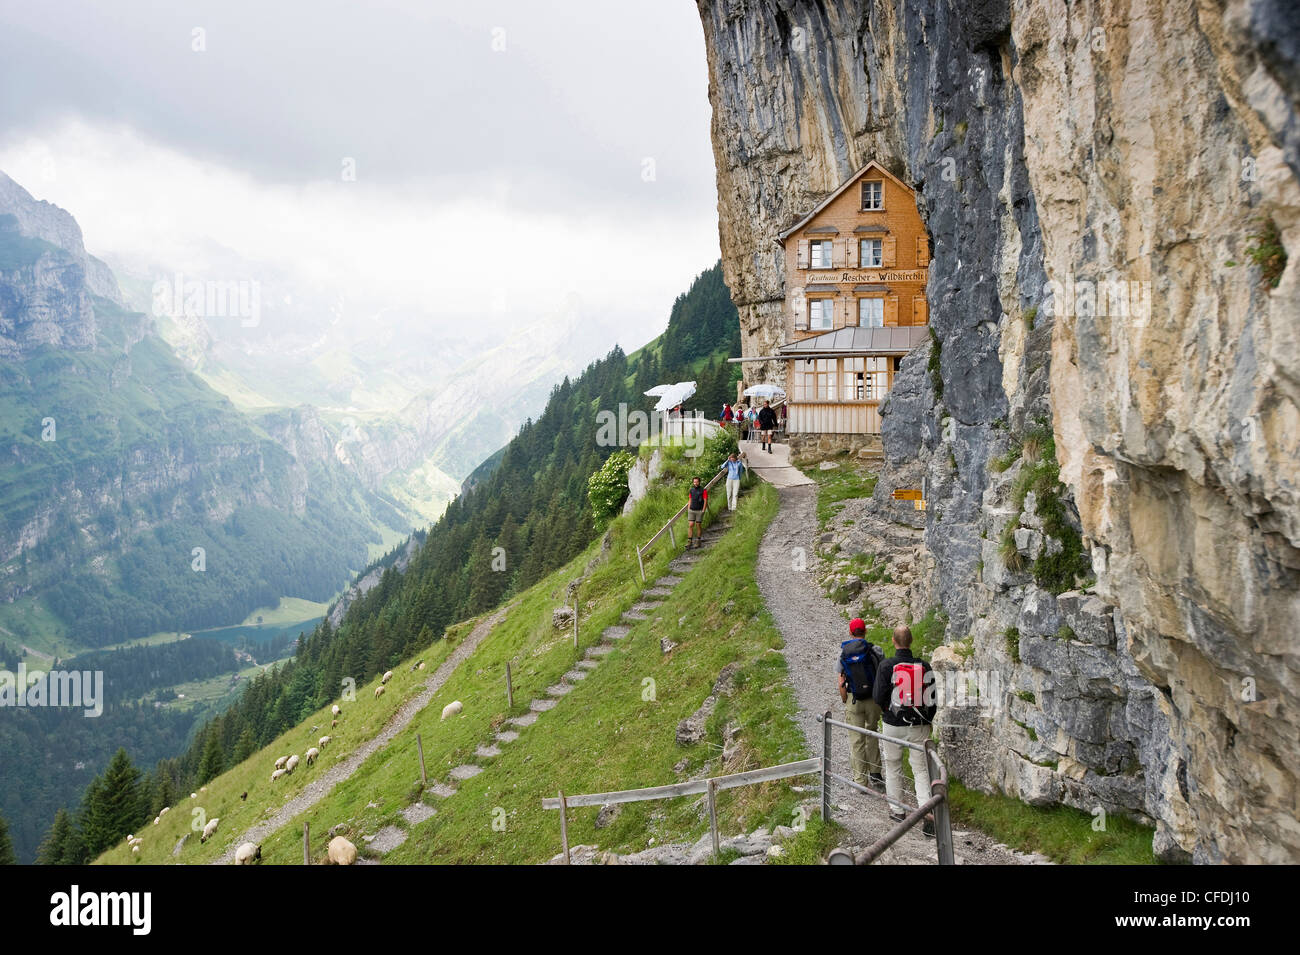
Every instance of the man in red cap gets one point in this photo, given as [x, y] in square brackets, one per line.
[856, 668]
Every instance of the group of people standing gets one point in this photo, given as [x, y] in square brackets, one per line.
[765, 419]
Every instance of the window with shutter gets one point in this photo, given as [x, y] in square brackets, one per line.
[850, 254]
[920, 312]
[889, 252]
[801, 254]
[922, 251]
[891, 310]
[871, 312]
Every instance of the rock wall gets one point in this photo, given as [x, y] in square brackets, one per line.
[1141, 613]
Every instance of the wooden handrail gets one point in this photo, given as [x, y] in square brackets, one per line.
[660, 533]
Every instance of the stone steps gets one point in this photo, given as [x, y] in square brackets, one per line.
[652, 599]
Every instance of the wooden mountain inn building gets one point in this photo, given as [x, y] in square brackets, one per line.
[856, 267]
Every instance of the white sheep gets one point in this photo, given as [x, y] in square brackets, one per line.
[194, 795]
[335, 709]
[135, 848]
[155, 819]
[324, 741]
[163, 812]
[342, 852]
[130, 838]
[279, 763]
[388, 675]
[209, 829]
[247, 854]
[292, 764]
[421, 666]
[379, 691]
[312, 754]
[203, 789]
[451, 709]
[278, 773]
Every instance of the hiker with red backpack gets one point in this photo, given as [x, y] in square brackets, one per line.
[904, 691]
[857, 667]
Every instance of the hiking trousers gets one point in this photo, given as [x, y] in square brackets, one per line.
[864, 751]
[893, 754]
[733, 492]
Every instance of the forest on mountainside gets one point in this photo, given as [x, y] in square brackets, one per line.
[524, 514]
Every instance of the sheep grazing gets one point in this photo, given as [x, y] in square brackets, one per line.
[324, 741]
[155, 819]
[135, 848]
[312, 754]
[451, 709]
[333, 723]
[163, 812]
[421, 666]
[388, 675]
[203, 789]
[335, 709]
[278, 773]
[379, 691]
[209, 829]
[342, 852]
[130, 837]
[247, 854]
[279, 763]
[292, 764]
[194, 795]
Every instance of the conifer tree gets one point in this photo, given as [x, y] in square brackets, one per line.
[6, 845]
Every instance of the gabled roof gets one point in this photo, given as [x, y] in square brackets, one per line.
[782, 236]
[854, 340]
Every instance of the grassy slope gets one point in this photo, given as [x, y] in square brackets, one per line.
[602, 735]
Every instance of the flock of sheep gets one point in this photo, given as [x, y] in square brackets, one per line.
[340, 851]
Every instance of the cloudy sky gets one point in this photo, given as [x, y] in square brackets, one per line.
[422, 151]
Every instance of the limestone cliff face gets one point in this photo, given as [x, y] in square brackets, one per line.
[1140, 147]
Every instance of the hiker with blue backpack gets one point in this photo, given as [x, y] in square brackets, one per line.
[904, 691]
[858, 664]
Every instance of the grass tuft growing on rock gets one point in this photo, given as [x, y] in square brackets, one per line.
[1061, 833]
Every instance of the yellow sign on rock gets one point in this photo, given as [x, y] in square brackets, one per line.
[908, 494]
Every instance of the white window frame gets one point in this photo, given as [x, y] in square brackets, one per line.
[879, 195]
[816, 261]
[877, 307]
[876, 258]
[821, 310]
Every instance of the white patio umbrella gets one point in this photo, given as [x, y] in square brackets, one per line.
[679, 393]
[659, 390]
[765, 391]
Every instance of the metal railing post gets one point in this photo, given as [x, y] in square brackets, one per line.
[942, 817]
[826, 767]
[713, 817]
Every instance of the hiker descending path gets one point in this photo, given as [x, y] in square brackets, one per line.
[813, 628]
[321, 786]
[651, 597]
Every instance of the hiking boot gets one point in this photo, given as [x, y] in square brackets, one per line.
[927, 826]
[877, 782]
